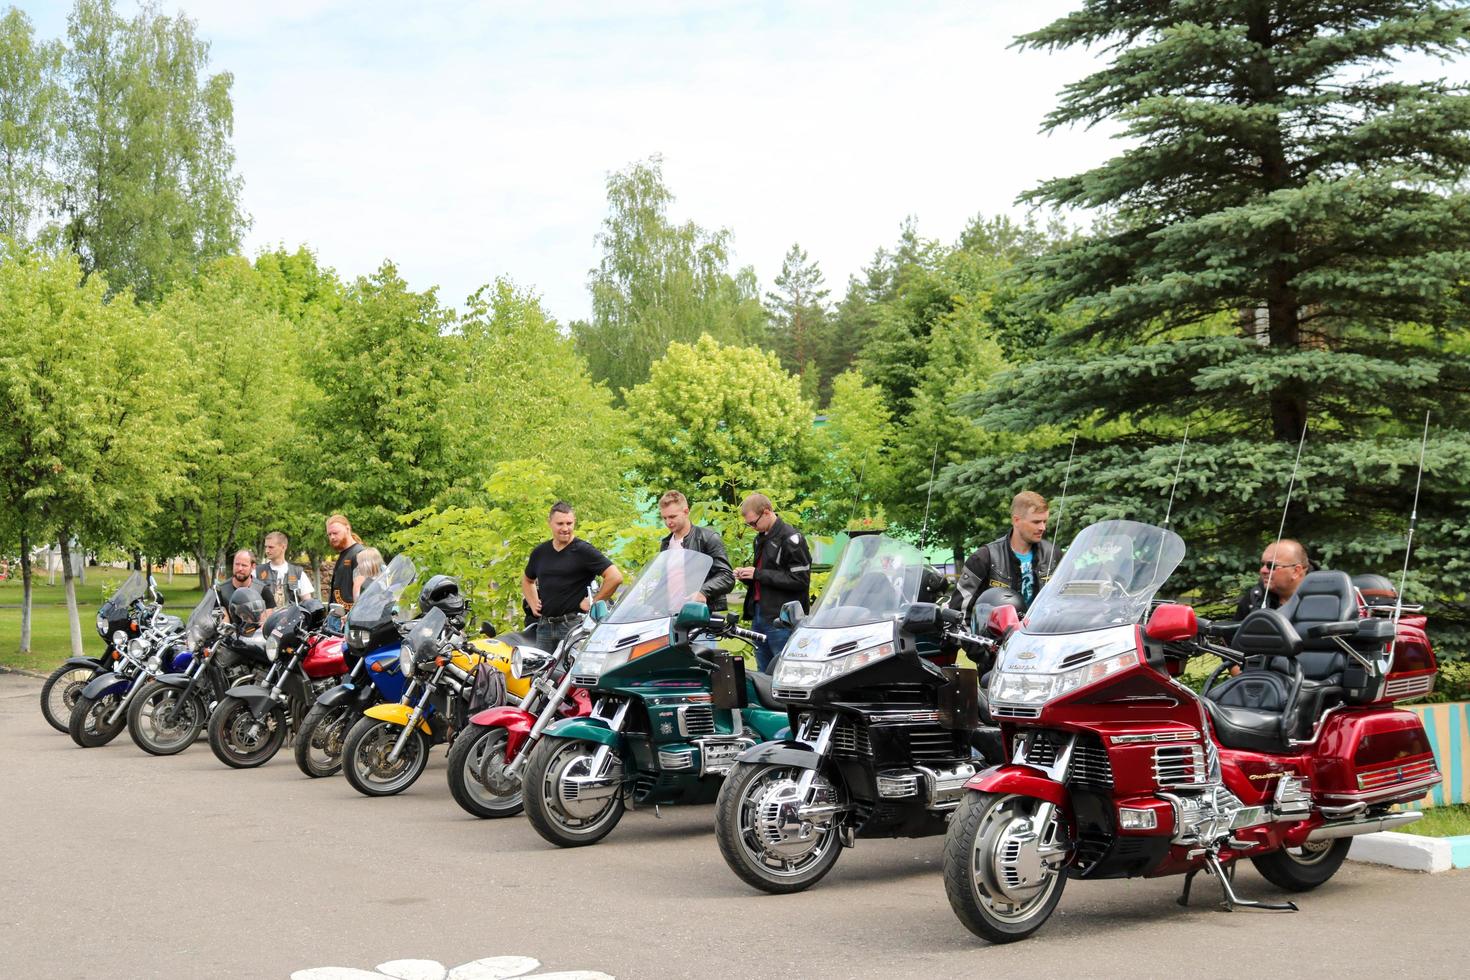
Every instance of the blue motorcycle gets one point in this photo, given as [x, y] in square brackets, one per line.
[123, 614]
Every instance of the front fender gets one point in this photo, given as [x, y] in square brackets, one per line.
[506, 716]
[396, 714]
[586, 730]
[104, 684]
[345, 693]
[94, 662]
[173, 680]
[785, 753]
[257, 698]
[1020, 781]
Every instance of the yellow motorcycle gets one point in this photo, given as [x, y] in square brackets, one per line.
[388, 748]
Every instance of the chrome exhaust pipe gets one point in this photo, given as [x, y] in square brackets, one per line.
[1332, 831]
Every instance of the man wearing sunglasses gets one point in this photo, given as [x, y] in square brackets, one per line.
[1283, 566]
[781, 570]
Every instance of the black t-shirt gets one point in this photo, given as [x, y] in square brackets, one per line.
[227, 588]
[342, 576]
[562, 577]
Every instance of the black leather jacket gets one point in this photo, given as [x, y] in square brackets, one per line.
[783, 570]
[721, 577]
[994, 565]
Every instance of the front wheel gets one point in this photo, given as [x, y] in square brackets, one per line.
[320, 740]
[1300, 869]
[998, 869]
[477, 779]
[366, 763]
[60, 692]
[563, 803]
[163, 722]
[764, 835]
[90, 725]
[239, 740]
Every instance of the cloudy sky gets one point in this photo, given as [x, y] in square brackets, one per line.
[469, 140]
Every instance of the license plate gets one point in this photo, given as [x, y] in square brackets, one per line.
[719, 756]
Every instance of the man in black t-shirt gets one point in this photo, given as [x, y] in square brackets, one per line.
[345, 543]
[557, 576]
[242, 574]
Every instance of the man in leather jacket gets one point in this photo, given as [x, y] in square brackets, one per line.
[780, 571]
[674, 509]
[1283, 566]
[1021, 561]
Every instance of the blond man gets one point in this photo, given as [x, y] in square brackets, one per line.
[1020, 560]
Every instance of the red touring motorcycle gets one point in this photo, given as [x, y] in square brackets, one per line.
[1118, 770]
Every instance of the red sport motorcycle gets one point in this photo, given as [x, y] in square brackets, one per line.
[1116, 769]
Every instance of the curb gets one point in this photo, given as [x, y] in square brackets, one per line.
[4, 669]
[1412, 852]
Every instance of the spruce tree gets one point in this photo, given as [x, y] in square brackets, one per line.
[1284, 245]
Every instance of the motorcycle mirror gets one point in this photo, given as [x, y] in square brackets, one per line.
[337, 609]
[488, 629]
[1171, 623]
[599, 610]
[692, 616]
[921, 617]
[1003, 619]
[791, 614]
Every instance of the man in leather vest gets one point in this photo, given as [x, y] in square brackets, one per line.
[286, 583]
[674, 509]
[780, 571]
[1021, 561]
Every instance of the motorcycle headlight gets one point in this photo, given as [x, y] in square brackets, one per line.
[405, 660]
[102, 626]
[1021, 687]
[136, 649]
[119, 639]
[272, 648]
[524, 663]
[810, 673]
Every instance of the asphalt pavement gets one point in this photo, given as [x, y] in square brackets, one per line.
[121, 865]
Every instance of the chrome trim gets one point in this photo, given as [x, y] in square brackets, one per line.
[1394, 775]
[1178, 766]
[676, 758]
[791, 693]
[944, 788]
[903, 716]
[897, 784]
[1387, 792]
[696, 720]
[1170, 736]
[720, 768]
[1406, 688]
[1334, 831]
[1001, 709]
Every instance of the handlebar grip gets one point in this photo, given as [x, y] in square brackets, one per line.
[750, 635]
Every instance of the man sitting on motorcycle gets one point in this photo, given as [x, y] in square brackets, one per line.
[1283, 566]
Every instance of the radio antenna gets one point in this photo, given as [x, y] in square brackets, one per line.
[1066, 479]
[1280, 530]
[1173, 486]
[924, 533]
[1398, 605]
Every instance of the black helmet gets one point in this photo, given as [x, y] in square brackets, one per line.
[442, 592]
[314, 613]
[991, 598]
[246, 606]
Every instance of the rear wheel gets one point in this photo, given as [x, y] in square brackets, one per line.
[60, 692]
[1300, 869]
[366, 762]
[562, 811]
[320, 740]
[89, 726]
[164, 722]
[764, 837]
[239, 740]
[997, 869]
[477, 779]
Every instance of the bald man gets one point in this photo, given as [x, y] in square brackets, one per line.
[1283, 566]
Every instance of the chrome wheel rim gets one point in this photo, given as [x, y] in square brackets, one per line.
[759, 834]
[62, 697]
[572, 758]
[165, 720]
[484, 767]
[1007, 875]
[370, 762]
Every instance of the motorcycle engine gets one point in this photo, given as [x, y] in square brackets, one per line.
[1205, 817]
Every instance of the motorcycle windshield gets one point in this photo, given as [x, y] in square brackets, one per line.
[876, 577]
[669, 581]
[203, 620]
[1108, 577]
[423, 637]
[132, 589]
[375, 604]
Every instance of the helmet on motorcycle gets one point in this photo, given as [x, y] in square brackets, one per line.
[313, 612]
[988, 600]
[246, 606]
[442, 592]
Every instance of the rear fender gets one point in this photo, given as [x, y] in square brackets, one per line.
[785, 753]
[396, 714]
[1021, 781]
[104, 684]
[586, 730]
[257, 698]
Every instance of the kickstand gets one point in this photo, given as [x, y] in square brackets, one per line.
[1233, 901]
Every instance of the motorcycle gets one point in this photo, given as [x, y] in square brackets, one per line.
[486, 760]
[884, 738]
[100, 710]
[1115, 769]
[250, 723]
[373, 641]
[656, 734]
[119, 619]
[388, 748]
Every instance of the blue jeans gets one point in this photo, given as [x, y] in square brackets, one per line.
[775, 641]
[548, 635]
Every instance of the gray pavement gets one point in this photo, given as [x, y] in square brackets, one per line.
[118, 864]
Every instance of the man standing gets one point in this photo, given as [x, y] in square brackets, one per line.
[286, 583]
[780, 571]
[674, 509]
[242, 575]
[347, 545]
[557, 575]
[1020, 561]
[1283, 566]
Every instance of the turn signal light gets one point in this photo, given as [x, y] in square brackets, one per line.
[440, 661]
[376, 666]
[649, 646]
[1131, 819]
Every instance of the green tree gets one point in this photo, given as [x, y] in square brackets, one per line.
[30, 99]
[148, 189]
[659, 283]
[853, 448]
[799, 320]
[1285, 247]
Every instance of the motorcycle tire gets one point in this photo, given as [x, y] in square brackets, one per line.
[1303, 868]
[60, 692]
[162, 722]
[734, 809]
[321, 738]
[365, 758]
[543, 805]
[980, 829]
[88, 726]
[241, 742]
[466, 759]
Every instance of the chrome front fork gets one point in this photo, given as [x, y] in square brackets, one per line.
[413, 720]
[548, 712]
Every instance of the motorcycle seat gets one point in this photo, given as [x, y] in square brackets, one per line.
[762, 684]
[1242, 727]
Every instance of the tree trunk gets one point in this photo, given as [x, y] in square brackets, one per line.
[201, 564]
[138, 562]
[72, 617]
[25, 592]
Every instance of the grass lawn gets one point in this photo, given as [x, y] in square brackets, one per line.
[1441, 821]
[50, 634]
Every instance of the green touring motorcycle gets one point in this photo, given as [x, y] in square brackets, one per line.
[671, 711]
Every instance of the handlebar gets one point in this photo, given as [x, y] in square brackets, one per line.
[750, 636]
